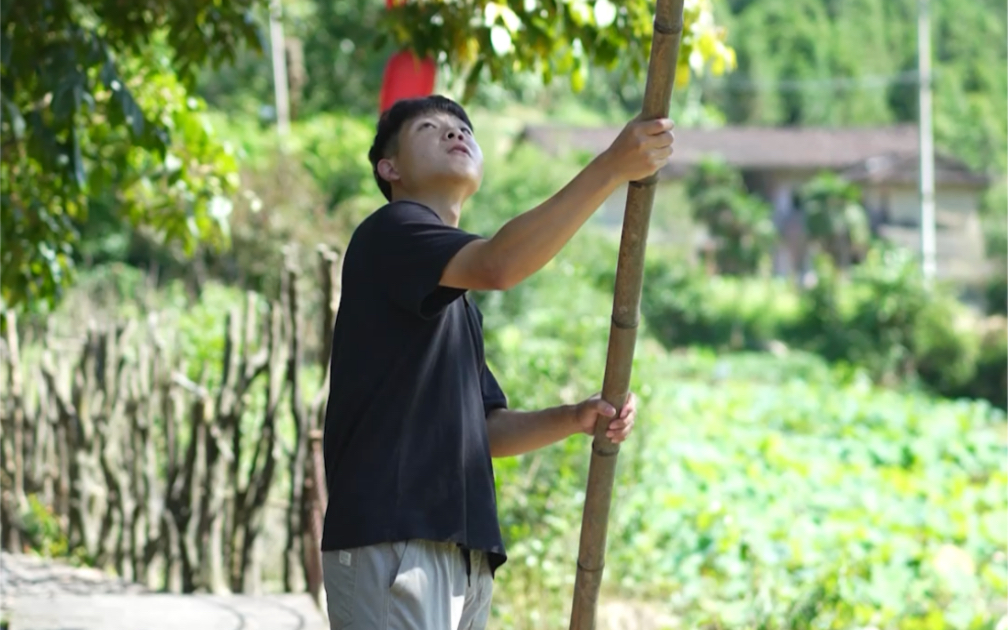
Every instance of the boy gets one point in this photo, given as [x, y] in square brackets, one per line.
[411, 539]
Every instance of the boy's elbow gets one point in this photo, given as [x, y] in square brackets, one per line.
[501, 279]
[498, 275]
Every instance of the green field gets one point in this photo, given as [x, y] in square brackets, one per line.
[786, 504]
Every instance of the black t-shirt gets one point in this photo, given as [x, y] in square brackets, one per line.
[406, 448]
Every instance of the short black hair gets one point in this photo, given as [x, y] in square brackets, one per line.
[392, 122]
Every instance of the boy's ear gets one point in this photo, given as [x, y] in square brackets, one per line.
[388, 170]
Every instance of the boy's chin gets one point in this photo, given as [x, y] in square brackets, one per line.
[465, 182]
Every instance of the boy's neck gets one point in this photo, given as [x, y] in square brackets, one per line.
[448, 207]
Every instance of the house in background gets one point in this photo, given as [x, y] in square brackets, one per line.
[776, 162]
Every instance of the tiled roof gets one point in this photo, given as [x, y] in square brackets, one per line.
[764, 148]
[903, 169]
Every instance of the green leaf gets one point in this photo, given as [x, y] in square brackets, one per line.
[67, 96]
[72, 56]
[6, 49]
[17, 121]
[78, 161]
[42, 143]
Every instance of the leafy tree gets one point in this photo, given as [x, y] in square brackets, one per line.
[341, 62]
[96, 103]
[835, 218]
[551, 38]
[739, 223]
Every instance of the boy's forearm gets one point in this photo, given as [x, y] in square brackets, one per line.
[517, 432]
[527, 242]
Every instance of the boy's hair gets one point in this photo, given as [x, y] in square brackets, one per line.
[392, 121]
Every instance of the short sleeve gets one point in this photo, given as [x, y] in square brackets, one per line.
[416, 245]
[493, 395]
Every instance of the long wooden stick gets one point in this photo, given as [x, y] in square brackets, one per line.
[665, 40]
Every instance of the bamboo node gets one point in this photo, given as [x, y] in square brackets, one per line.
[582, 567]
[650, 180]
[674, 29]
[626, 326]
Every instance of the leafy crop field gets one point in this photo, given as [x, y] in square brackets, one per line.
[781, 503]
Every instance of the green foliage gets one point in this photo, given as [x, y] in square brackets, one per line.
[756, 492]
[42, 529]
[738, 223]
[996, 294]
[822, 62]
[44, 535]
[335, 62]
[95, 103]
[515, 180]
[344, 61]
[882, 319]
[893, 325]
[551, 39]
[686, 307]
[994, 213]
[834, 217]
[813, 507]
[315, 190]
[897, 328]
[334, 151]
[992, 364]
[890, 297]
[994, 210]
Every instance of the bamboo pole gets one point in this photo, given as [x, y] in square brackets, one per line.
[665, 40]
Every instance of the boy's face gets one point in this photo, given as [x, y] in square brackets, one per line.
[435, 151]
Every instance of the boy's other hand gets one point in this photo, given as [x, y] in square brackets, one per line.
[641, 148]
[586, 414]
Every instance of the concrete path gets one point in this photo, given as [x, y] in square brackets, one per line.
[166, 612]
[39, 594]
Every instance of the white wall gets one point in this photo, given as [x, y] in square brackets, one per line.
[953, 206]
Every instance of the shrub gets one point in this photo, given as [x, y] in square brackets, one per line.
[882, 319]
[890, 302]
[834, 217]
[738, 223]
[991, 379]
[996, 294]
[685, 307]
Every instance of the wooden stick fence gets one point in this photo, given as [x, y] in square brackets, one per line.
[142, 464]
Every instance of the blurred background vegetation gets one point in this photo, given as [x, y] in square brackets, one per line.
[825, 456]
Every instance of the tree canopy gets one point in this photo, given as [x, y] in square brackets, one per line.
[552, 38]
[99, 107]
[96, 103]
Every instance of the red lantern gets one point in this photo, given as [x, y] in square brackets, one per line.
[406, 76]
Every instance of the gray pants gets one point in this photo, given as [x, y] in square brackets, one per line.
[414, 585]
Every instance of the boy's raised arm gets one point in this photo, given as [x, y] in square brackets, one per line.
[527, 242]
